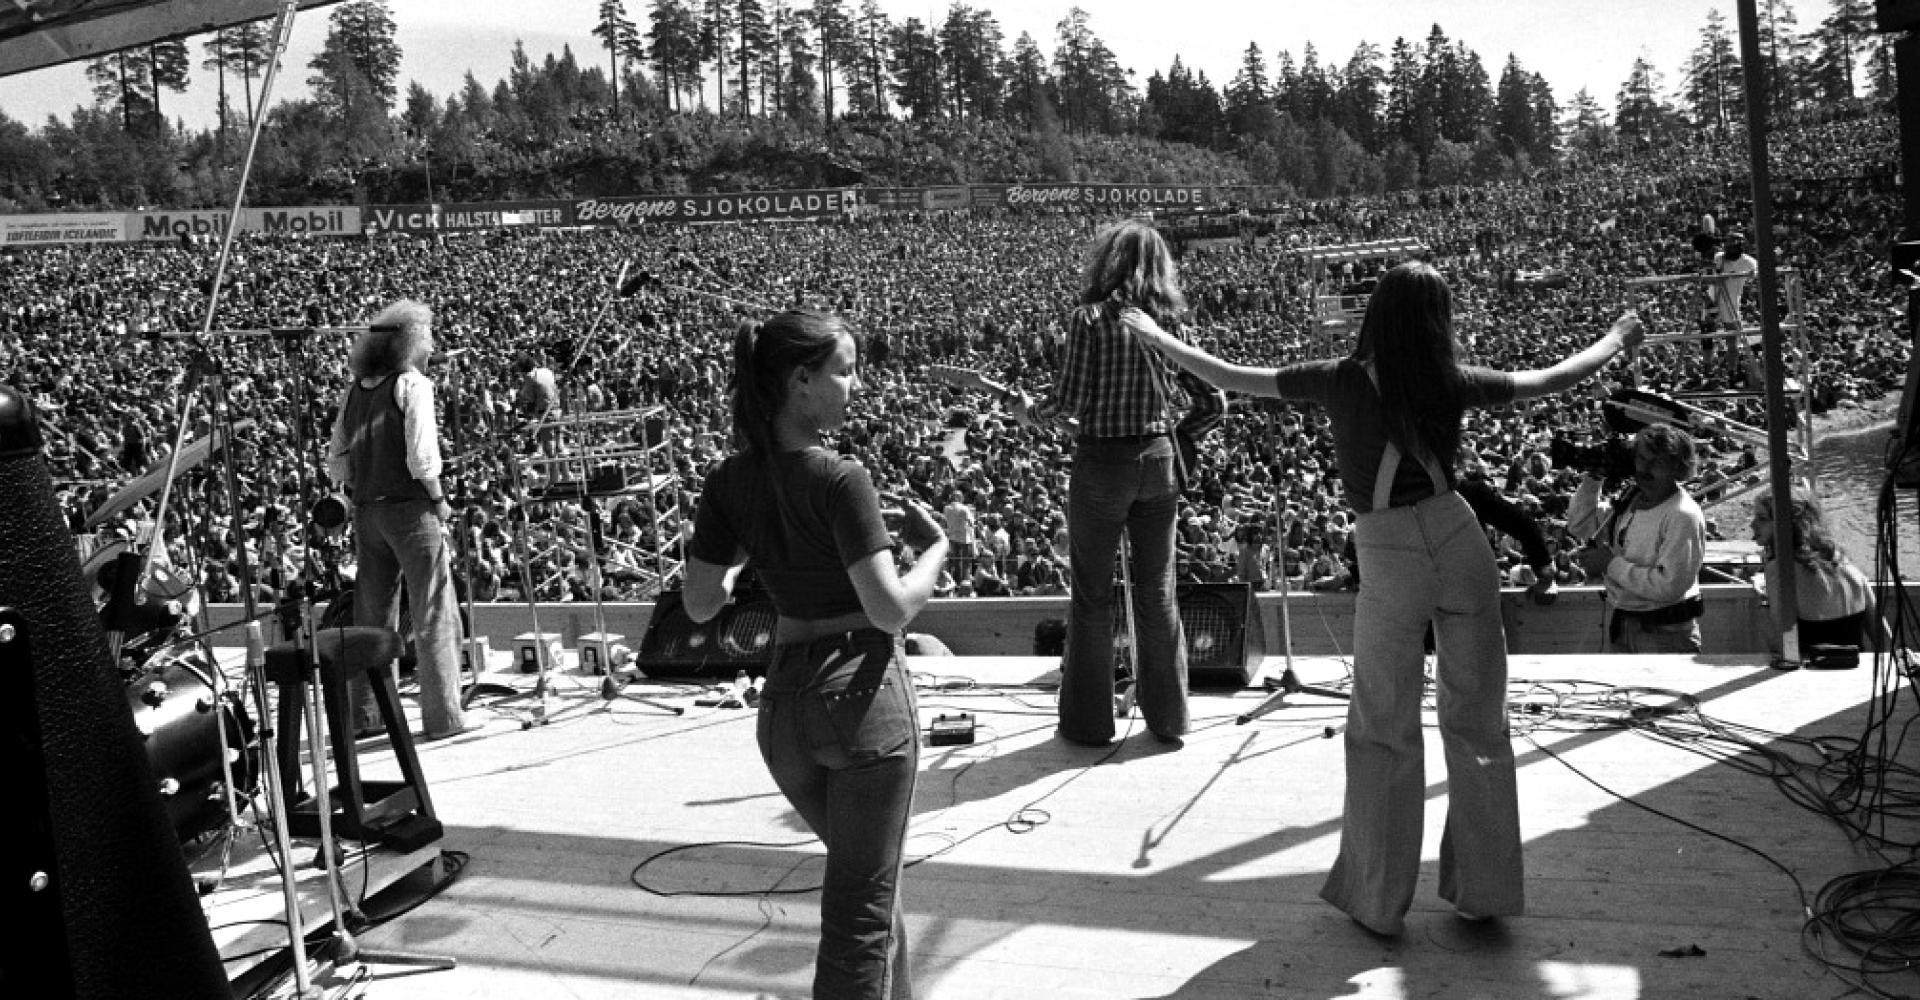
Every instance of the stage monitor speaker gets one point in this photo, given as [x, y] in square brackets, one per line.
[739, 638]
[1214, 617]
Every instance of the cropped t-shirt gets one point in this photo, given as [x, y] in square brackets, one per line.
[801, 517]
[1360, 429]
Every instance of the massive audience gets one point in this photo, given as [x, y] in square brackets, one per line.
[80, 332]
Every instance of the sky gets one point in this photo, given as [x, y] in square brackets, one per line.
[1586, 44]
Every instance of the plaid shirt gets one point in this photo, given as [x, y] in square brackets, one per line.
[1115, 388]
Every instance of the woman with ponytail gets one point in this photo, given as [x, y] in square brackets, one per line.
[838, 725]
[1396, 404]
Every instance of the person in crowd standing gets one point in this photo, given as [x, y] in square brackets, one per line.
[1122, 400]
[1836, 616]
[1646, 546]
[1396, 405]
[385, 455]
[838, 724]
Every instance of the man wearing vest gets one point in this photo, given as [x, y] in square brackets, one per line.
[385, 453]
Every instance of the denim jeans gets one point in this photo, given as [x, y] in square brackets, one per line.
[1122, 484]
[1680, 637]
[839, 730]
[404, 541]
[1427, 563]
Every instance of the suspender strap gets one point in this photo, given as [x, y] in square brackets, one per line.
[1390, 463]
[1390, 466]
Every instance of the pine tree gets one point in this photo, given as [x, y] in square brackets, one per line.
[170, 68]
[1249, 103]
[1714, 88]
[358, 63]
[916, 70]
[1639, 114]
[621, 38]
[870, 79]
[122, 83]
[1362, 97]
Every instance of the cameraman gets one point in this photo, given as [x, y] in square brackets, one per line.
[1647, 546]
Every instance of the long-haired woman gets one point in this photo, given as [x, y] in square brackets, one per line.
[1836, 605]
[1395, 405]
[1122, 401]
[837, 727]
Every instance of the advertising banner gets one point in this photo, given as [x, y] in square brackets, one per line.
[893, 199]
[418, 219]
[747, 206]
[942, 199]
[31, 230]
[314, 220]
[1094, 197]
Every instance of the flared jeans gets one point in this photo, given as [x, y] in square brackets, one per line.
[1122, 484]
[1427, 563]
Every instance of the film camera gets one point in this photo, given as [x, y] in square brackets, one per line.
[1611, 460]
[1625, 413]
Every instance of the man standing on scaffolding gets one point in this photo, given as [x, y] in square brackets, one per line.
[1731, 267]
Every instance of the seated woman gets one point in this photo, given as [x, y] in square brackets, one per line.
[1834, 598]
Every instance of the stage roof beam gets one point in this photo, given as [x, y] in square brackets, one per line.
[35, 34]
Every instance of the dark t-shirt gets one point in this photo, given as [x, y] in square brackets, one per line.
[1360, 429]
[801, 522]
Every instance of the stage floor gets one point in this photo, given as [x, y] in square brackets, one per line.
[619, 850]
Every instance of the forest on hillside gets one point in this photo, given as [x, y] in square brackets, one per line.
[724, 95]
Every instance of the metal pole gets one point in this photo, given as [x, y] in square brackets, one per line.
[1781, 593]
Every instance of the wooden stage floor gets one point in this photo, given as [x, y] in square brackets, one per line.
[1051, 870]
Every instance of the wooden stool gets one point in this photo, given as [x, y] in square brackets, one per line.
[399, 814]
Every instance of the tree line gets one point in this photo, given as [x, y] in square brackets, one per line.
[754, 92]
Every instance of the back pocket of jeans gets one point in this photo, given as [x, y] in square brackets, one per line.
[862, 715]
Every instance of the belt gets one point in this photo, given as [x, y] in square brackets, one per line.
[1672, 614]
[1117, 438]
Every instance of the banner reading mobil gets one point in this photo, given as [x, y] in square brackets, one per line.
[1093, 197]
[312, 220]
[748, 206]
[415, 220]
[35, 230]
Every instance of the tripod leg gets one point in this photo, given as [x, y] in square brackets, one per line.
[1123, 693]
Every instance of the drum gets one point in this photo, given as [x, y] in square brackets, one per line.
[174, 705]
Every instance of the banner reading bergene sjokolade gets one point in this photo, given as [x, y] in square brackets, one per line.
[1113, 197]
[746, 206]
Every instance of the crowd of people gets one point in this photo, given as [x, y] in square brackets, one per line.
[84, 333]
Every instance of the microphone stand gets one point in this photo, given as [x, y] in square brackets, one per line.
[463, 541]
[1289, 682]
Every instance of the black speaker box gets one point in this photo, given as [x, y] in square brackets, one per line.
[739, 638]
[1215, 619]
